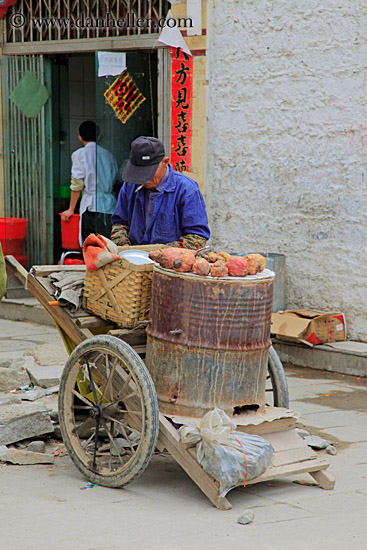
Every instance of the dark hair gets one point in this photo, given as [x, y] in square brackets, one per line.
[88, 130]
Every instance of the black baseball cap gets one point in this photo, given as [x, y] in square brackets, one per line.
[145, 155]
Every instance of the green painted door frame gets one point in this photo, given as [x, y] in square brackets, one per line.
[28, 169]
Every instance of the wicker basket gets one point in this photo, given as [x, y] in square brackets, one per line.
[120, 291]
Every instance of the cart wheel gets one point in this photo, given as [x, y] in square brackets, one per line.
[276, 382]
[108, 411]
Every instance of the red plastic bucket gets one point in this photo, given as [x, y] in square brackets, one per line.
[12, 235]
[70, 233]
[72, 261]
[22, 260]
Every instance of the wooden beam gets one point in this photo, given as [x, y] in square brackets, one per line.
[307, 466]
[325, 479]
[58, 314]
[134, 337]
[117, 43]
[169, 438]
[19, 271]
[92, 321]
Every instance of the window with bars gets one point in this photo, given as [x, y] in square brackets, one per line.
[50, 20]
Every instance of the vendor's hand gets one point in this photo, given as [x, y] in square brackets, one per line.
[66, 215]
[120, 234]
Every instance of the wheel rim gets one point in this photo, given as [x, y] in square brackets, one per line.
[271, 391]
[104, 414]
[276, 382]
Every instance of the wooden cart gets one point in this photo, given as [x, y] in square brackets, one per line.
[108, 409]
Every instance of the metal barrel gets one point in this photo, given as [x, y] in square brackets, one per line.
[277, 263]
[208, 341]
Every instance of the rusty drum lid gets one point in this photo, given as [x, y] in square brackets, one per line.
[266, 274]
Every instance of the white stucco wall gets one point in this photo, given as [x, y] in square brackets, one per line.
[287, 143]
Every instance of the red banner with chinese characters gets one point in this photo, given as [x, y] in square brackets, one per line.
[181, 109]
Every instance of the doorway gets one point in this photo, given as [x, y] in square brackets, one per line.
[78, 95]
[37, 148]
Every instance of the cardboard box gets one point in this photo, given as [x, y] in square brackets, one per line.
[309, 327]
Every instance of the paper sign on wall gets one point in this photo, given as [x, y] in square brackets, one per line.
[111, 63]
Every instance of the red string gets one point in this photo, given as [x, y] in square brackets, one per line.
[244, 454]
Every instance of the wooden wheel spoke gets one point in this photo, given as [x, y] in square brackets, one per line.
[134, 430]
[82, 398]
[132, 394]
[123, 426]
[77, 428]
[85, 444]
[118, 400]
[97, 358]
[93, 386]
[108, 382]
[130, 412]
[126, 383]
[111, 440]
[123, 429]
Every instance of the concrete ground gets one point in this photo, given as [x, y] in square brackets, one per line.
[43, 507]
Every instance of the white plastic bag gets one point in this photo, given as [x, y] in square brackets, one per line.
[228, 456]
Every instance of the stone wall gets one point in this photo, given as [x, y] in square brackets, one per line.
[287, 143]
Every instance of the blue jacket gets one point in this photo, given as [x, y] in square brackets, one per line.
[179, 210]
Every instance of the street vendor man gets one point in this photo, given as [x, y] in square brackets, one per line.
[93, 172]
[157, 205]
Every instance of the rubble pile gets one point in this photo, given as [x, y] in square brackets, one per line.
[29, 429]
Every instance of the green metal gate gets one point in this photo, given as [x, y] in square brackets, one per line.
[28, 157]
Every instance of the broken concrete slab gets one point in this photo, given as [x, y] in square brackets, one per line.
[51, 404]
[3, 449]
[18, 422]
[9, 399]
[19, 456]
[37, 393]
[48, 354]
[46, 376]
[52, 390]
[317, 442]
[330, 449]
[120, 446]
[11, 379]
[57, 432]
[302, 433]
[37, 447]
[33, 394]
